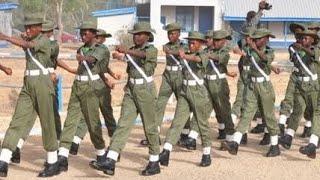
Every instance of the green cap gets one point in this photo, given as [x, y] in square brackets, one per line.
[196, 35]
[48, 26]
[311, 33]
[31, 19]
[314, 26]
[88, 25]
[294, 26]
[260, 33]
[102, 32]
[221, 34]
[172, 27]
[209, 34]
[247, 31]
[143, 27]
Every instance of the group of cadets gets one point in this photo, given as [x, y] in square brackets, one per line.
[197, 77]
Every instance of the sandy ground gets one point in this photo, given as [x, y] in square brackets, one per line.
[250, 162]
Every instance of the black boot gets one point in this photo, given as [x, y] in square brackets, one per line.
[205, 160]
[50, 170]
[191, 144]
[63, 163]
[274, 151]
[244, 139]
[96, 164]
[258, 129]
[306, 132]
[151, 169]
[16, 156]
[285, 141]
[3, 169]
[74, 148]
[309, 150]
[222, 134]
[282, 128]
[265, 140]
[108, 166]
[164, 157]
[231, 146]
[183, 140]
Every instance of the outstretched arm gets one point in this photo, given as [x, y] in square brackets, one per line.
[17, 41]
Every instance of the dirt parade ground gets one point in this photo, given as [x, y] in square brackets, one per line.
[250, 162]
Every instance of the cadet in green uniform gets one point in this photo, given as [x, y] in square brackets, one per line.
[217, 85]
[86, 91]
[139, 98]
[47, 30]
[194, 96]
[105, 102]
[36, 97]
[307, 87]
[171, 77]
[259, 91]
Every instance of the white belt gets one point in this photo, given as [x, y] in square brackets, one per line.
[51, 70]
[246, 68]
[260, 79]
[141, 80]
[307, 78]
[87, 78]
[35, 72]
[214, 77]
[173, 68]
[192, 82]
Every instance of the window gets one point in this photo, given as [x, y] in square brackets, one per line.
[185, 17]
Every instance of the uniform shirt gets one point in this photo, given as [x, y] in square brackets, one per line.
[107, 54]
[54, 48]
[222, 61]
[147, 64]
[264, 64]
[198, 68]
[175, 48]
[308, 60]
[101, 56]
[41, 51]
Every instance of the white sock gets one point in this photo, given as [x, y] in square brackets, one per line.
[20, 143]
[234, 118]
[206, 150]
[237, 136]
[221, 126]
[5, 155]
[63, 152]
[266, 130]
[167, 146]
[283, 119]
[290, 132]
[193, 134]
[274, 140]
[229, 138]
[185, 131]
[314, 139]
[153, 158]
[259, 120]
[308, 123]
[52, 157]
[113, 155]
[100, 152]
[77, 139]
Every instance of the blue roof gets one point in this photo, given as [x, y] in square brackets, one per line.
[8, 6]
[282, 10]
[114, 12]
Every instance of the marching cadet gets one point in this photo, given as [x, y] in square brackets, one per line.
[306, 92]
[105, 101]
[217, 85]
[86, 91]
[47, 30]
[36, 97]
[259, 90]
[171, 77]
[139, 97]
[194, 96]
[286, 105]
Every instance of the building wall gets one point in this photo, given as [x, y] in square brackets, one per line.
[277, 28]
